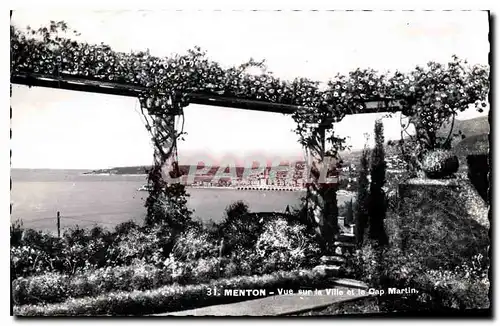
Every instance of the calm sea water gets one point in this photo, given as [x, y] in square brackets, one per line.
[106, 200]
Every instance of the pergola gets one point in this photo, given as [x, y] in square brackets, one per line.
[73, 83]
[64, 64]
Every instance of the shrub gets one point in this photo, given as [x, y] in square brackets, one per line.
[36, 252]
[42, 241]
[80, 249]
[16, 233]
[195, 243]
[213, 229]
[55, 287]
[235, 210]
[126, 227]
[78, 253]
[466, 287]
[77, 248]
[243, 262]
[173, 297]
[206, 269]
[439, 164]
[86, 247]
[241, 231]
[27, 260]
[437, 289]
[143, 244]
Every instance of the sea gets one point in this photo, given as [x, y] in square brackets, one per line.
[86, 200]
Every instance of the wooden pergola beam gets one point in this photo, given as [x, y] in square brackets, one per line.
[72, 83]
[75, 83]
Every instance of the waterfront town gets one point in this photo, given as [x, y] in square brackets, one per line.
[289, 176]
[286, 176]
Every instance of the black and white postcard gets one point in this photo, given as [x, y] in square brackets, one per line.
[250, 163]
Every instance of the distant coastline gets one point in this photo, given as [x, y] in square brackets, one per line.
[108, 174]
[142, 170]
[129, 170]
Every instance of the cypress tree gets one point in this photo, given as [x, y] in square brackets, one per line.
[361, 213]
[377, 206]
[349, 216]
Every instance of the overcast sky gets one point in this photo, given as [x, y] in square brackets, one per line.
[63, 129]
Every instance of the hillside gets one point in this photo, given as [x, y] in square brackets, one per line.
[475, 130]
[184, 168]
[122, 170]
[477, 144]
[474, 126]
[470, 127]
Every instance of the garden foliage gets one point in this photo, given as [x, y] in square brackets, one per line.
[87, 263]
[449, 285]
[172, 297]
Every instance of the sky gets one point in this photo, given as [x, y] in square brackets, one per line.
[65, 129]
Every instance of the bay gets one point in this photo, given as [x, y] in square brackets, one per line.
[108, 200]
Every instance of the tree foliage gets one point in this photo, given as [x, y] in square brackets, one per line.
[437, 92]
[235, 210]
[361, 212]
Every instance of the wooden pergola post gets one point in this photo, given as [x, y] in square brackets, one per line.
[321, 194]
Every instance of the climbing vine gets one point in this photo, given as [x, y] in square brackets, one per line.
[430, 95]
[433, 96]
